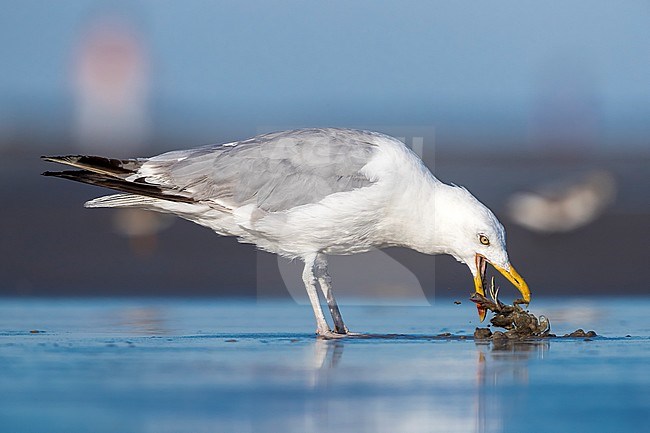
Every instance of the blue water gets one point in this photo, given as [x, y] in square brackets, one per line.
[133, 365]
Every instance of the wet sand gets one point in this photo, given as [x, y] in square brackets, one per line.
[171, 365]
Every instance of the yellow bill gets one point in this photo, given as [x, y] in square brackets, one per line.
[512, 275]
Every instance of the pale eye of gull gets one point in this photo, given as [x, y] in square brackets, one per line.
[483, 239]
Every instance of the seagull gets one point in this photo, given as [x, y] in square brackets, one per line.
[564, 205]
[307, 194]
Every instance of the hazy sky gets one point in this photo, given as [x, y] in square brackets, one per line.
[453, 64]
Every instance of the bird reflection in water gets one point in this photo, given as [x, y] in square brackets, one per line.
[327, 353]
[499, 364]
[501, 384]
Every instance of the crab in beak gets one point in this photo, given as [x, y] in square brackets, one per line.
[509, 272]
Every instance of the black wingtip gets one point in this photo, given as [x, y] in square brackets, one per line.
[98, 164]
[56, 158]
[66, 174]
[98, 179]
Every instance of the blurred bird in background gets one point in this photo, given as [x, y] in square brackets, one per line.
[563, 206]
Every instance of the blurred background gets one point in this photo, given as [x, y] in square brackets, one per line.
[542, 110]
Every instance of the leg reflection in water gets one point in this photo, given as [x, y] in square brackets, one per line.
[327, 353]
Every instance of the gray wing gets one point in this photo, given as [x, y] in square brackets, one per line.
[274, 171]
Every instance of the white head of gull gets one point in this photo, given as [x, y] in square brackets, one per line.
[307, 194]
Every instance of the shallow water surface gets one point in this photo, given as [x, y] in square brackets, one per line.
[206, 365]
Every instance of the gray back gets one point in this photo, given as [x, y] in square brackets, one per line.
[275, 171]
